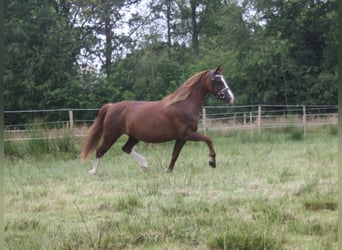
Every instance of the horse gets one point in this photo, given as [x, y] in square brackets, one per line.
[175, 117]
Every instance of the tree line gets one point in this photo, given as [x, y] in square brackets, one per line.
[84, 53]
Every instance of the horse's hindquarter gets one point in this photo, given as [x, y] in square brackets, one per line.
[151, 122]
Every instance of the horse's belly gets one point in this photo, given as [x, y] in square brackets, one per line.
[149, 127]
[152, 132]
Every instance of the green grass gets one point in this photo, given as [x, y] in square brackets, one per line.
[269, 191]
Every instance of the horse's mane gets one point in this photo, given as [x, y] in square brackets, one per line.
[183, 91]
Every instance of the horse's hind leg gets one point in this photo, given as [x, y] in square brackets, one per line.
[95, 166]
[107, 142]
[128, 148]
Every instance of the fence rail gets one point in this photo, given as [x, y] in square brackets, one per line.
[212, 118]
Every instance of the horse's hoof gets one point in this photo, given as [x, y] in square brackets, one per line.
[212, 164]
[143, 169]
[168, 170]
[92, 172]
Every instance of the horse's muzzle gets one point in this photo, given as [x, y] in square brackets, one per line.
[230, 100]
[226, 95]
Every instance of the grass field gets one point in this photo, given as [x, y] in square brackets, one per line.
[269, 191]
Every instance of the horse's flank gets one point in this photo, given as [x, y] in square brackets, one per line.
[183, 91]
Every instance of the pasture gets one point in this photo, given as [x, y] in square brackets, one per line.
[269, 191]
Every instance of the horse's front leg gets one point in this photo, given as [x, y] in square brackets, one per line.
[175, 153]
[193, 136]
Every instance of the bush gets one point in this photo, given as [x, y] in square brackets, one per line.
[14, 149]
[255, 137]
[296, 134]
[333, 130]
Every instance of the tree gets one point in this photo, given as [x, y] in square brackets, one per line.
[274, 52]
[190, 18]
[105, 21]
[309, 29]
[148, 73]
[40, 55]
[164, 13]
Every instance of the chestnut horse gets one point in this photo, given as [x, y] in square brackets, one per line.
[173, 118]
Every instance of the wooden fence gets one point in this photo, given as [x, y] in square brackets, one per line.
[258, 117]
[212, 118]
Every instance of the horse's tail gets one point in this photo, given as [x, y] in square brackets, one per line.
[94, 134]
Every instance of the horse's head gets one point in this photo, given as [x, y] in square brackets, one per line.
[220, 87]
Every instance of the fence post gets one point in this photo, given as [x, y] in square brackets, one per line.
[304, 120]
[204, 120]
[71, 119]
[259, 119]
[244, 119]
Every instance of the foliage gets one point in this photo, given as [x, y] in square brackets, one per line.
[70, 54]
[306, 31]
[41, 49]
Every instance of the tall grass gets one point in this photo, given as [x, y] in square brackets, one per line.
[62, 142]
[267, 192]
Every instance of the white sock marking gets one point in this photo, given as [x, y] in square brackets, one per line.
[95, 166]
[140, 159]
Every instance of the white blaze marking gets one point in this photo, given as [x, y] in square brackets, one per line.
[224, 81]
[226, 87]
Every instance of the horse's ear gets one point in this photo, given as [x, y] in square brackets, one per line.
[219, 69]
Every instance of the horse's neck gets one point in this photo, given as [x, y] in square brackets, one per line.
[195, 99]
